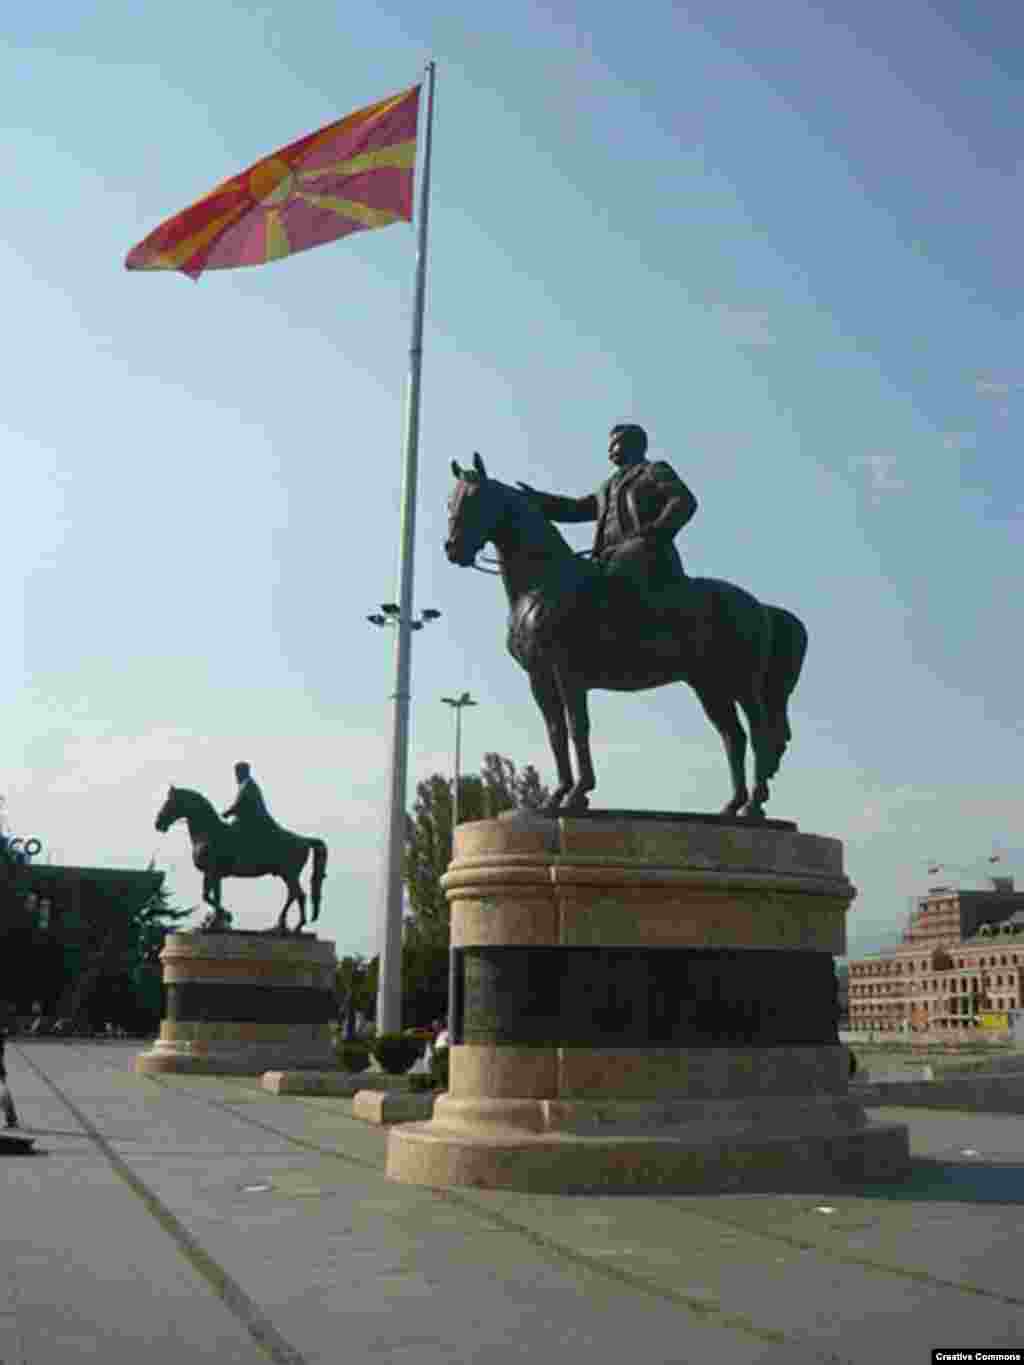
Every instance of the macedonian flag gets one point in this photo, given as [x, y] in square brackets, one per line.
[353, 174]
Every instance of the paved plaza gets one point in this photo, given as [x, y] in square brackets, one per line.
[174, 1219]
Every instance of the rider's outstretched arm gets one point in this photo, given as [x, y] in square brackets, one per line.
[557, 508]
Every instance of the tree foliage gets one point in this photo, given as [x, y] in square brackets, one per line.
[356, 985]
[112, 963]
[500, 786]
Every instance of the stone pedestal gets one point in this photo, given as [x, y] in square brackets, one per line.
[244, 1003]
[645, 1003]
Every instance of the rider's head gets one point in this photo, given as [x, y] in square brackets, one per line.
[242, 771]
[627, 443]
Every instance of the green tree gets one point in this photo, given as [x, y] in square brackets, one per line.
[428, 839]
[356, 982]
[116, 956]
[500, 786]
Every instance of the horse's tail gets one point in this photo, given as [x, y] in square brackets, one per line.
[319, 872]
[788, 648]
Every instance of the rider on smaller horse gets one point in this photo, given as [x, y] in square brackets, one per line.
[639, 511]
[252, 820]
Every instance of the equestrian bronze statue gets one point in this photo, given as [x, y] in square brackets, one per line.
[628, 617]
[253, 846]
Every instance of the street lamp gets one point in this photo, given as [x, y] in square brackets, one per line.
[389, 988]
[393, 617]
[457, 703]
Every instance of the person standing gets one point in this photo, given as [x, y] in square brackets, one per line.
[6, 1100]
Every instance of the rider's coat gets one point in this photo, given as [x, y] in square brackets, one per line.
[626, 507]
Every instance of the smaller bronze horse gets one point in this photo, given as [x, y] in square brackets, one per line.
[218, 851]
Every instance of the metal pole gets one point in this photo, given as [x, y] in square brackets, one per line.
[389, 988]
[458, 769]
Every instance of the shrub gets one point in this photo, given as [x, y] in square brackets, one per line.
[396, 1053]
[353, 1057]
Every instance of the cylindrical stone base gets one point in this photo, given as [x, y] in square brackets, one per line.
[645, 1003]
[244, 1003]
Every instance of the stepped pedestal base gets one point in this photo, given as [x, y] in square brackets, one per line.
[643, 1004]
[241, 1004]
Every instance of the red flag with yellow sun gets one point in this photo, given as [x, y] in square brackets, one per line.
[352, 175]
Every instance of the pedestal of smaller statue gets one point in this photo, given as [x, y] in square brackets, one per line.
[645, 1003]
[244, 1003]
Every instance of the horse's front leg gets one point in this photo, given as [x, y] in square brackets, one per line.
[549, 699]
[574, 697]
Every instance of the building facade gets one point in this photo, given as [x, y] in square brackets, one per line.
[61, 928]
[959, 967]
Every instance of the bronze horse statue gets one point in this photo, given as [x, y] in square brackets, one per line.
[220, 850]
[572, 629]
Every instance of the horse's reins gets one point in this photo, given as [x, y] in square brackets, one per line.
[496, 573]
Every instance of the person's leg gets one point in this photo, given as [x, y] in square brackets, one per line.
[7, 1104]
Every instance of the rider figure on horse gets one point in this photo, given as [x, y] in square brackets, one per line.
[252, 820]
[639, 511]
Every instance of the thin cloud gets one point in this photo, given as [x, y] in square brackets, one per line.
[744, 326]
[960, 440]
[881, 474]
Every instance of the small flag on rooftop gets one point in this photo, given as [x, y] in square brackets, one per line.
[349, 176]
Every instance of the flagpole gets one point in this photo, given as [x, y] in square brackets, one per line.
[389, 987]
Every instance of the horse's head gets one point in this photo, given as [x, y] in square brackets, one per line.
[169, 811]
[474, 511]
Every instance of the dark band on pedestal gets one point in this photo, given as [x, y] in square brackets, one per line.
[644, 997]
[213, 1002]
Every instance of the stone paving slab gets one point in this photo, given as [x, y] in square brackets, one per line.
[343, 1084]
[392, 1106]
[994, 1094]
[87, 1273]
[287, 1198]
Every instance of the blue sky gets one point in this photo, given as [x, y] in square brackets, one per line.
[787, 241]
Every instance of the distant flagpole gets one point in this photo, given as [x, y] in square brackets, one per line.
[389, 988]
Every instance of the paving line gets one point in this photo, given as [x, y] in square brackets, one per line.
[256, 1323]
[785, 1239]
[846, 1257]
[710, 1314]
[559, 1251]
